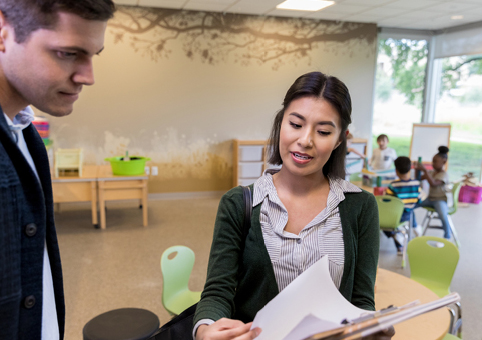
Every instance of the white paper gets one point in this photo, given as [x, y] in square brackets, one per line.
[313, 292]
[309, 326]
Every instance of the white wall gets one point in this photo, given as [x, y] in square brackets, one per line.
[182, 100]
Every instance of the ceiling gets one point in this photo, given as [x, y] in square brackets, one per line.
[406, 14]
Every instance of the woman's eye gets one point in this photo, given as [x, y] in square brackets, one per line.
[66, 55]
[324, 133]
[296, 126]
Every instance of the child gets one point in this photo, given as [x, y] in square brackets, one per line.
[438, 179]
[349, 140]
[408, 190]
[384, 156]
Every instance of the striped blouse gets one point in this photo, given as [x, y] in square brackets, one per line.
[292, 254]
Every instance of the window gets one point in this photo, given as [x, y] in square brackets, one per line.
[459, 103]
[399, 90]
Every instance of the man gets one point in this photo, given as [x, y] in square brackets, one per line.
[46, 51]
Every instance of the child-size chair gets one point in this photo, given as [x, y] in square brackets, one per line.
[176, 266]
[390, 210]
[432, 263]
[432, 214]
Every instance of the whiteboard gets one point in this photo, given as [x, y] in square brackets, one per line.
[426, 138]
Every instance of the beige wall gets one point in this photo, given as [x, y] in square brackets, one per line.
[180, 96]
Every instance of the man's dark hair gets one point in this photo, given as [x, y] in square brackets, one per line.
[403, 164]
[27, 16]
[320, 86]
[382, 136]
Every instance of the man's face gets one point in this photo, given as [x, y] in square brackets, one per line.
[49, 69]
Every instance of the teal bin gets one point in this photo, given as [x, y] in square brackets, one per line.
[134, 166]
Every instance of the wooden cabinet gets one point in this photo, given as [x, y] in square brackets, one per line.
[249, 161]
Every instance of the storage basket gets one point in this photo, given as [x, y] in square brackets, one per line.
[470, 194]
[134, 166]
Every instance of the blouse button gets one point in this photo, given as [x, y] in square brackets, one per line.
[299, 241]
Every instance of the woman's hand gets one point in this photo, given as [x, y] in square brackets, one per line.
[386, 334]
[227, 329]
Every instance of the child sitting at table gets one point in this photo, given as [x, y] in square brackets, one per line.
[408, 190]
[383, 156]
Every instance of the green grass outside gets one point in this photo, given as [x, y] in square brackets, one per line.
[463, 157]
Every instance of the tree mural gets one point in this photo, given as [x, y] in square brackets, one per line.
[215, 37]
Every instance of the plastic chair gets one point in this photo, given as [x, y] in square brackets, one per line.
[355, 177]
[432, 214]
[390, 210]
[432, 263]
[176, 266]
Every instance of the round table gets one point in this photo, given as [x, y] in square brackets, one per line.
[395, 289]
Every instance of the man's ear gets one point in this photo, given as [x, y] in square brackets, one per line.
[3, 31]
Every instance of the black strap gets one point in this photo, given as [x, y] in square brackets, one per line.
[248, 208]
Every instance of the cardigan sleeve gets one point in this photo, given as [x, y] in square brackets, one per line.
[367, 257]
[217, 298]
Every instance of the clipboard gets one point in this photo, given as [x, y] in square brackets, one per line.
[370, 324]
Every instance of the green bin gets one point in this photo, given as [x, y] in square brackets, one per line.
[134, 166]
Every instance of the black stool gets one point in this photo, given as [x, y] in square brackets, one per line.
[122, 324]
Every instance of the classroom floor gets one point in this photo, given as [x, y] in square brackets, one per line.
[119, 267]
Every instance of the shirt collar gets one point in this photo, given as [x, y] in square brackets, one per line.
[264, 186]
[21, 119]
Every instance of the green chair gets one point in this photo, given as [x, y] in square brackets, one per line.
[390, 210]
[355, 177]
[449, 336]
[431, 214]
[176, 266]
[432, 263]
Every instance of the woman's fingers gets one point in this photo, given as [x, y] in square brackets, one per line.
[228, 329]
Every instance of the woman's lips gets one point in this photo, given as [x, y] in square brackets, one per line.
[301, 158]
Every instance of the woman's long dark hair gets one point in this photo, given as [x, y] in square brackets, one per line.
[334, 91]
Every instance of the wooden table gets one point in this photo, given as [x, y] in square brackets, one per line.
[78, 189]
[395, 289]
[111, 187]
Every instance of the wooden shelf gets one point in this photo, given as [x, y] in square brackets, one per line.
[249, 160]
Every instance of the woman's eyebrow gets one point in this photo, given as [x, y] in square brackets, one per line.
[323, 122]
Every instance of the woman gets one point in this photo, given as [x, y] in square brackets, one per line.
[301, 212]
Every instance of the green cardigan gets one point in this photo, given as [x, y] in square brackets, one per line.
[238, 288]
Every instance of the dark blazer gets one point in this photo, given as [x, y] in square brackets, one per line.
[26, 222]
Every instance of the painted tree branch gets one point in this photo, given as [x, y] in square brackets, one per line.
[215, 36]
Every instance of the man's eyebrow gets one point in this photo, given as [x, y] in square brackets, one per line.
[81, 50]
[323, 122]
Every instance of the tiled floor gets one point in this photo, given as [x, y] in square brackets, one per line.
[119, 267]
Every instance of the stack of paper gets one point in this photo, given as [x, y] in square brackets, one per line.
[311, 307]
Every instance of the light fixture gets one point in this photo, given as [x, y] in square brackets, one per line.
[305, 5]
[457, 17]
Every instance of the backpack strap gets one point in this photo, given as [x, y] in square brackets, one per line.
[248, 209]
